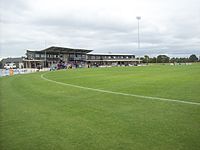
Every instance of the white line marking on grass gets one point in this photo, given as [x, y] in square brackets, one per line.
[119, 93]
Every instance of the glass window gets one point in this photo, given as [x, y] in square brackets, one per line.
[98, 57]
[71, 55]
[37, 55]
[83, 56]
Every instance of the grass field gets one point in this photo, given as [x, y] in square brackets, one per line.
[37, 114]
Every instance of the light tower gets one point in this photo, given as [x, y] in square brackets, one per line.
[138, 18]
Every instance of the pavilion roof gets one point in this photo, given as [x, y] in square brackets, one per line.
[64, 49]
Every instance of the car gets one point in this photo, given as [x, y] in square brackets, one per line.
[10, 66]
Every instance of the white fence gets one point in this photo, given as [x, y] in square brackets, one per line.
[6, 72]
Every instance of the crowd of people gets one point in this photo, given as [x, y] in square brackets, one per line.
[64, 65]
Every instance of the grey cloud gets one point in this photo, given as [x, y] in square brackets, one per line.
[13, 10]
[83, 22]
[24, 28]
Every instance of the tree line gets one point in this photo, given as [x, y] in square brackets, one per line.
[166, 59]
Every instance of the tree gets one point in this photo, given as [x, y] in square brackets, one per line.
[146, 59]
[173, 60]
[162, 59]
[152, 60]
[193, 58]
[1, 65]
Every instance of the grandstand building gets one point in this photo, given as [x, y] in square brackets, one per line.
[54, 55]
[78, 57]
[109, 59]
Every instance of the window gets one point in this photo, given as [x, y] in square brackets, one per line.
[37, 55]
[92, 57]
[98, 57]
[71, 55]
[78, 55]
[31, 56]
[83, 55]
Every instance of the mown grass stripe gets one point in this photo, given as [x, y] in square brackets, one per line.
[119, 93]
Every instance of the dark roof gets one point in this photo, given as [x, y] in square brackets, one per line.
[63, 49]
[12, 60]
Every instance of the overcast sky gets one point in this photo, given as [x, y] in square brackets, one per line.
[167, 26]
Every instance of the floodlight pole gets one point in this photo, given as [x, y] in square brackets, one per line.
[45, 59]
[45, 53]
[138, 18]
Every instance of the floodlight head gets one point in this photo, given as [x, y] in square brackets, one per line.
[138, 17]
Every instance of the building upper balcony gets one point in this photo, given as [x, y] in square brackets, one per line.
[110, 57]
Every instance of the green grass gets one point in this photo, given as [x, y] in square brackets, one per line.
[37, 114]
